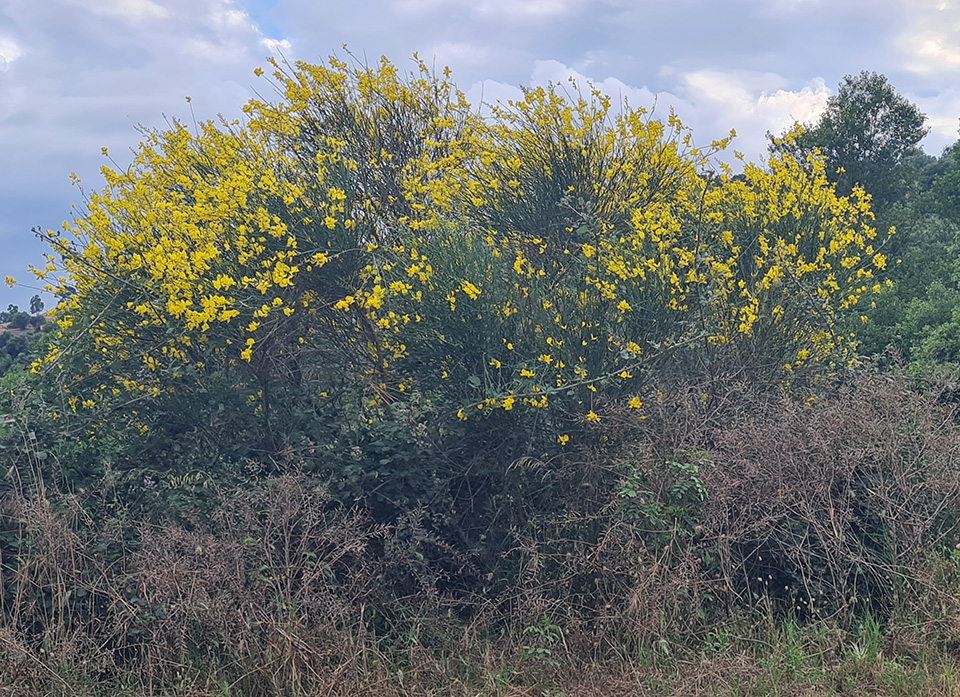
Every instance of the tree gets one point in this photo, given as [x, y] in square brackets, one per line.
[865, 134]
[15, 317]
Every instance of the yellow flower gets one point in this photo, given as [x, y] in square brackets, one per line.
[563, 440]
[470, 290]
[592, 417]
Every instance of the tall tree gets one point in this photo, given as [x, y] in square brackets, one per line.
[36, 305]
[866, 133]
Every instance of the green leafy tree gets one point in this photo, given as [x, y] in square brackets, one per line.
[8, 314]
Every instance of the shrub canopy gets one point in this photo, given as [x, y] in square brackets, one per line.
[368, 273]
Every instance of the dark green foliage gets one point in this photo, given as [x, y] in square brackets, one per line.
[666, 502]
[918, 316]
[16, 349]
[36, 305]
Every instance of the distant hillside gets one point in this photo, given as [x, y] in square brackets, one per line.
[16, 345]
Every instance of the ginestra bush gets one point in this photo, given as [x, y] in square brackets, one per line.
[370, 279]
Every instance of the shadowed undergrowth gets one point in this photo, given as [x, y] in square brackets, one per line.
[733, 542]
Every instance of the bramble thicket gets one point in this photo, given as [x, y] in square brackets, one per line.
[508, 356]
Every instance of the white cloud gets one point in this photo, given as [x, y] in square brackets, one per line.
[492, 93]
[710, 102]
[618, 91]
[9, 52]
[931, 39]
[460, 53]
[211, 52]
[226, 17]
[281, 46]
[784, 107]
[751, 102]
[794, 4]
[555, 72]
[932, 54]
[527, 8]
[496, 9]
[130, 10]
[759, 97]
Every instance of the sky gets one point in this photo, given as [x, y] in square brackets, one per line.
[80, 75]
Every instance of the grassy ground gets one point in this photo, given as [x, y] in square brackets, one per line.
[785, 659]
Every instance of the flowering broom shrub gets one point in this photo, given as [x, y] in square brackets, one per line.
[370, 279]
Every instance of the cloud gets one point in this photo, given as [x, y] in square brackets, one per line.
[751, 102]
[9, 52]
[942, 111]
[546, 71]
[226, 17]
[275, 46]
[460, 53]
[79, 75]
[754, 96]
[214, 52]
[486, 93]
[129, 10]
[931, 40]
[710, 102]
[499, 9]
[493, 92]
